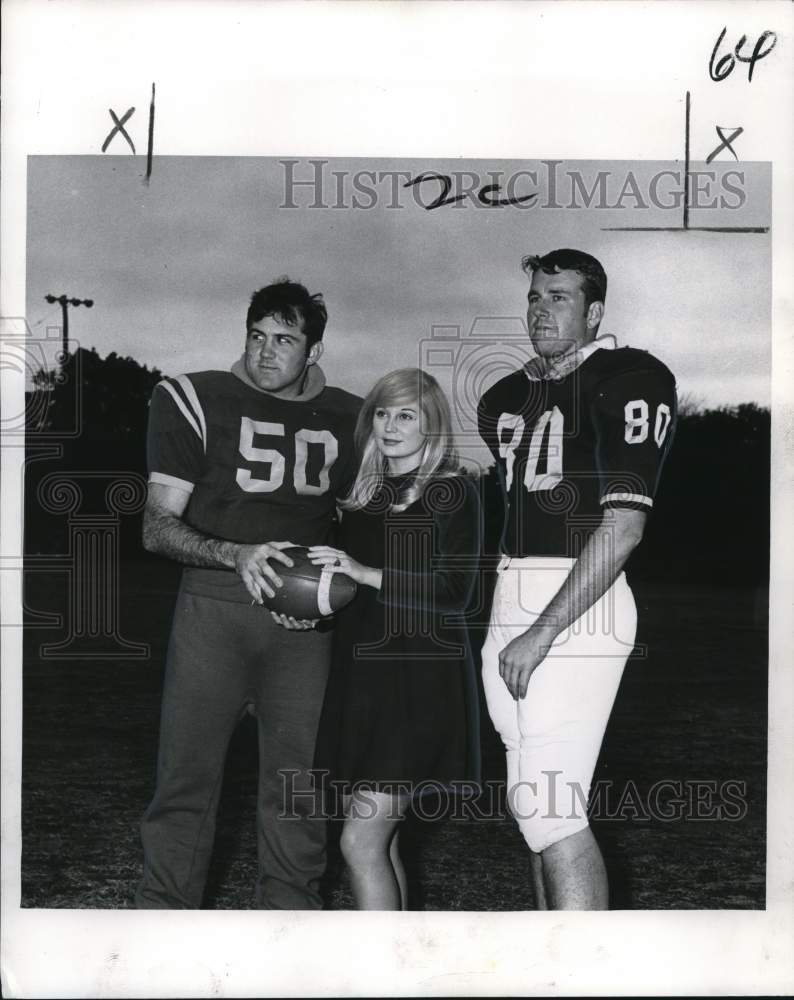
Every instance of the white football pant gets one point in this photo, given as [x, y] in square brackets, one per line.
[553, 735]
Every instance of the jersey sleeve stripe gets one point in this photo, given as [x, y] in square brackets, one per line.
[626, 498]
[162, 479]
[183, 408]
[192, 398]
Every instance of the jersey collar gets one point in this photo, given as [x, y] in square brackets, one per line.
[535, 371]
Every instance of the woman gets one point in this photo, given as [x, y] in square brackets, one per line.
[401, 704]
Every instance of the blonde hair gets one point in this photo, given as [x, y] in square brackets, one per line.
[439, 457]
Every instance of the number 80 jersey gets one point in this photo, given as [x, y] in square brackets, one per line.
[569, 448]
[258, 468]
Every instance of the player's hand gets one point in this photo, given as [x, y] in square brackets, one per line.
[341, 562]
[251, 562]
[521, 656]
[293, 624]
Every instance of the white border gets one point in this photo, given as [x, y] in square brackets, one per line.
[519, 80]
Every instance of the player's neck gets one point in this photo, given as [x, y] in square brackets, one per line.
[550, 364]
[558, 366]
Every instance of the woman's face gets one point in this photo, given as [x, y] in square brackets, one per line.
[399, 436]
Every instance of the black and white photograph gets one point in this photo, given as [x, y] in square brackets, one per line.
[397, 521]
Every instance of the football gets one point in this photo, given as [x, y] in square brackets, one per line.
[309, 591]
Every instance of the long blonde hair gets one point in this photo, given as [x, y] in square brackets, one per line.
[439, 457]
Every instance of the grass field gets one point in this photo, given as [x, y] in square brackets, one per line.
[692, 711]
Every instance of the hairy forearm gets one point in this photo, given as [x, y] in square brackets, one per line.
[601, 561]
[167, 535]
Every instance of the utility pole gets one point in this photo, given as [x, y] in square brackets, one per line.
[65, 303]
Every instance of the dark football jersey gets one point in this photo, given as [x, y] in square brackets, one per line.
[259, 468]
[567, 449]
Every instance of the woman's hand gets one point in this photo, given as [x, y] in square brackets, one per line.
[293, 624]
[341, 562]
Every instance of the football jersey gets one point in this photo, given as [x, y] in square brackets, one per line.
[566, 449]
[259, 468]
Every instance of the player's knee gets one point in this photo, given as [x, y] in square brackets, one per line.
[542, 832]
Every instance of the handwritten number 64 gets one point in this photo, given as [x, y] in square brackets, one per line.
[724, 65]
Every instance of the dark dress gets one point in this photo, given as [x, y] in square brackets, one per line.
[401, 704]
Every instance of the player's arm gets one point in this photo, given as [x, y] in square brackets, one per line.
[176, 455]
[600, 563]
[633, 413]
[166, 533]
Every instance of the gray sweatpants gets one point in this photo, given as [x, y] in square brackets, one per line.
[224, 658]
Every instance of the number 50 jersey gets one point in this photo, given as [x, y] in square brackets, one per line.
[258, 468]
[568, 449]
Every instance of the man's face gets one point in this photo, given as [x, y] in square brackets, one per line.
[276, 358]
[557, 318]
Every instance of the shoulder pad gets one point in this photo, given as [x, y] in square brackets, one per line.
[347, 401]
[608, 364]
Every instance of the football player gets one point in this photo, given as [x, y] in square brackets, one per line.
[579, 434]
[243, 463]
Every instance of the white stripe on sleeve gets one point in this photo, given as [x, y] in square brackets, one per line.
[165, 480]
[626, 498]
[193, 399]
[182, 408]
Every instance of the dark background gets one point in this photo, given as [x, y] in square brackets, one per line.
[691, 709]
